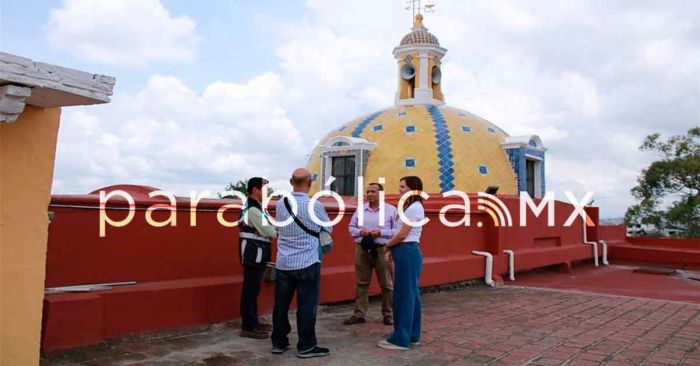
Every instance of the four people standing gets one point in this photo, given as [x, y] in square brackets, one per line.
[380, 237]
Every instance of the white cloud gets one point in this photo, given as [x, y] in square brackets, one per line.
[128, 33]
[168, 136]
[579, 94]
[591, 78]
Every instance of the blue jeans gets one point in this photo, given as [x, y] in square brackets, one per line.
[306, 282]
[408, 263]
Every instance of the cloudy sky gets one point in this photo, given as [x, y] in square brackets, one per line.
[209, 92]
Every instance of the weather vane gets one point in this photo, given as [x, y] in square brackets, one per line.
[417, 8]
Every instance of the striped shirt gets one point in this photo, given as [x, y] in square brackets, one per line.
[387, 227]
[295, 248]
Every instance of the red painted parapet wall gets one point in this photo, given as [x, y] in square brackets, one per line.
[676, 253]
[613, 233]
[692, 244]
[191, 275]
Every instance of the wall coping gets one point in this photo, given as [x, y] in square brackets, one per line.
[49, 86]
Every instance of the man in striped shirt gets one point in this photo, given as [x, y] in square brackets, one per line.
[298, 269]
[379, 223]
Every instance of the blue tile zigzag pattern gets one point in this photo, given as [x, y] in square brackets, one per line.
[358, 130]
[444, 149]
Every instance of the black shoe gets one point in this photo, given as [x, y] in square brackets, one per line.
[388, 320]
[254, 333]
[314, 352]
[279, 350]
[354, 320]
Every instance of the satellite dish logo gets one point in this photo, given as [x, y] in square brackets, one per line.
[495, 208]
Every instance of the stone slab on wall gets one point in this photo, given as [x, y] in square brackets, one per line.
[55, 86]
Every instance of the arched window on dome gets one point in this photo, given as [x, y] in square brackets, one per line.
[410, 129]
[466, 129]
[343, 170]
[527, 158]
[492, 130]
[377, 128]
[344, 158]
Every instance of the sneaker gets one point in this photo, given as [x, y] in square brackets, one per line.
[354, 320]
[416, 343]
[388, 320]
[314, 352]
[386, 345]
[264, 327]
[279, 350]
[254, 333]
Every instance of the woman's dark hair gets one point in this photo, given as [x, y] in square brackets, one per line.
[415, 184]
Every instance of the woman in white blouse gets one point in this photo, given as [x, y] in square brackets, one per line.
[408, 263]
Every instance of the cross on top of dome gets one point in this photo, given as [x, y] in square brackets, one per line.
[419, 33]
[417, 9]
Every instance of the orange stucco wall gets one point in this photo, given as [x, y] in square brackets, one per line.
[27, 151]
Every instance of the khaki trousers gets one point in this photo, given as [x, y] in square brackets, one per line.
[364, 264]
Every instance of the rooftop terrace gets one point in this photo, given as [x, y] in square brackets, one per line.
[579, 319]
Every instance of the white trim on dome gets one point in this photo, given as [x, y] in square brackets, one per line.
[420, 99]
[524, 140]
[402, 51]
[350, 143]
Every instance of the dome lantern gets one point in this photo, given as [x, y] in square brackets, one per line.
[419, 57]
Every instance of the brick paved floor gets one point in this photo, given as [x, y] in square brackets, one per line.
[477, 326]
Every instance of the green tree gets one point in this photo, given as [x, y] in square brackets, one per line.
[668, 190]
[242, 186]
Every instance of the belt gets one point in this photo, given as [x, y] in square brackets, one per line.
[253, 237]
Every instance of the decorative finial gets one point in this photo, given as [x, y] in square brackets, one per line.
[418, 21]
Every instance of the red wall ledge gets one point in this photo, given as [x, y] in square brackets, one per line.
[675, 253]
[191, 275]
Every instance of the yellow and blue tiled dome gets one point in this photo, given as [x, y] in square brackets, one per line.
[448, 148]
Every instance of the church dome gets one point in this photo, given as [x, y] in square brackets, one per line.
[450, 149]
[447, 147]
[419, 36]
